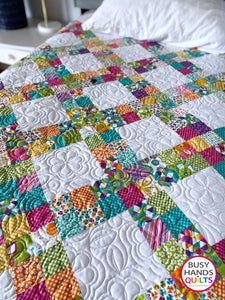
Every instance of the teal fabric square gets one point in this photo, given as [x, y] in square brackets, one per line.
[127, 158]
[31, 199]
[111, 205]
[68, 224]
[220, 168]
[7, 120]
[220, 132]
[125, 81]
[110, 136]
[9, 190]
[58, 141]
[84, 101]
[175, 221]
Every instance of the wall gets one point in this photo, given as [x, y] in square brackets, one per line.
[60, 10]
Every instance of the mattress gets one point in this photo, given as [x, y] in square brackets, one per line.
[112, 169]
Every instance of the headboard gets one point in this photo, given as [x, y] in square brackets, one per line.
[87, 4]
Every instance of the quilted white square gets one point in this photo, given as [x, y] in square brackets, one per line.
[63, 39]
[28, 73]
[209, 109]
[210, 64]
[81, 63]
[132, 53]
[201, 198]
[66, 169]
[39, 113]
[149, 136]
[7, 286]
[109, 94]
[113, 260]
[165, 78]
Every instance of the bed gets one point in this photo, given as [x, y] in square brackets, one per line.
[112, 169]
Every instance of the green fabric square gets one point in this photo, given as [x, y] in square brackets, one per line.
[161, 202]
[220, 168]
[94, 141]
[53, 260]
[111, 205]
[171, 255]
[175, 221]
[68, 224]
[71, 136]
[220, 132]
[170, 156]
[16, 171]
[197, 162]
[110, 136]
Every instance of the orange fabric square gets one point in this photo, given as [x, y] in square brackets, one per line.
[219, 289]
[27, 274]
[150, 89]
[63, 285]
[123, 109]
[49, 131]
[102, 153]
[83, 197]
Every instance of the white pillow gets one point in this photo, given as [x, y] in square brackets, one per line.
[179, 23]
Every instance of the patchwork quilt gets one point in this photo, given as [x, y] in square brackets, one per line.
[112, 157]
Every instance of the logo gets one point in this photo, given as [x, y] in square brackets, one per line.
[198, 273]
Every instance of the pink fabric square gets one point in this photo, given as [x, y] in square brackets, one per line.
[130, 195]
[39, 217]
[186, 133]
[28, 182]
[130, 117]
[38, 292]
[212, 156]
[219, 248]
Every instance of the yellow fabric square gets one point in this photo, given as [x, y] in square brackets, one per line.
[15, 227]
[17, 98]
[199, 144]
[3, 258]
[37, 148]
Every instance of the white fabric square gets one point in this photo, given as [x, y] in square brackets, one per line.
[39, 113]
[201, 198]
[165, 78]
[132, 53]
[113, 260]
[210, 64]
[63, 39]
[66, 169]
[7, 286]
[28, 73]
[109, 94]
[81, 63]
[209, 109]
[149, 136]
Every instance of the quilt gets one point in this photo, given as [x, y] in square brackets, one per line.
[112, 174]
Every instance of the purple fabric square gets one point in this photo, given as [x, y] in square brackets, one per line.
[38, 292]
[39, 217]
[200, 128]
[140, 70]
[140, 93]
[187, 64]
[84, 50]
[130, 117]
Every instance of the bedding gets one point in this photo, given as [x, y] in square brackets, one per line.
[180, 23]
[112, 169]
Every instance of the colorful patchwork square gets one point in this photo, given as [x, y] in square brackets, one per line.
[192, 241]
[198, 143]
[218, 288]
[53, 260]
[185, 150]
[142, 213]
[212, 156]
[111, 205]
[39, 217]
[37, 292]
[212, 138]
[175, 221]
[27, 274]
[130, 195]
[171, 255]
[63, 285]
